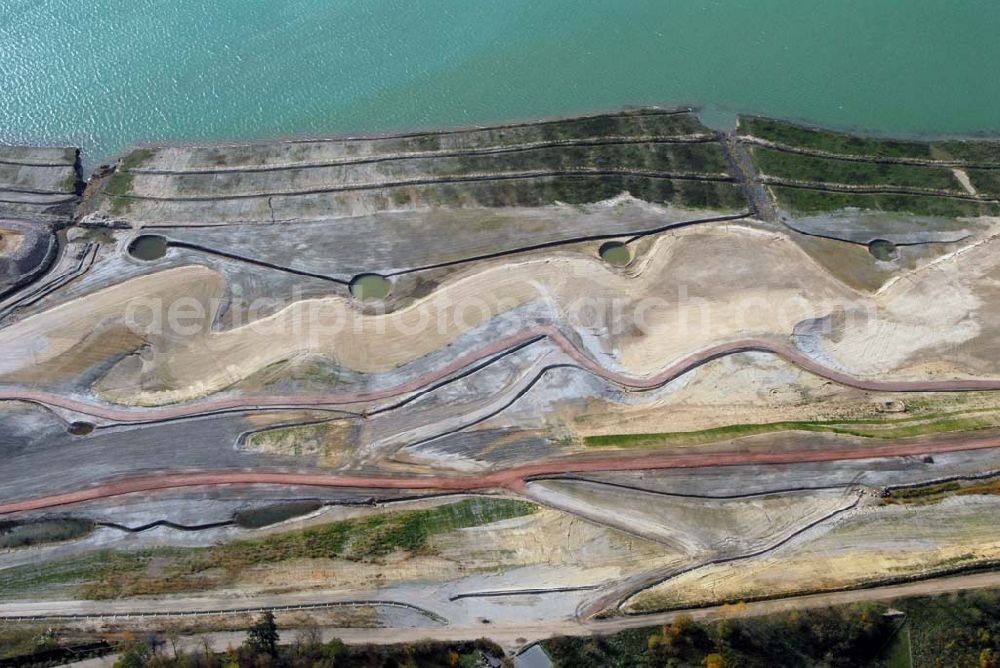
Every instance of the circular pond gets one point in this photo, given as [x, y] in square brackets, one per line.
[883, 250]
[616, 253]
[148, 247]
[367, 287]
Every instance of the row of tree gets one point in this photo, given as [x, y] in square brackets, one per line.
[262, 648]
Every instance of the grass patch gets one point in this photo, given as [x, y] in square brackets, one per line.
[825, 170]
[110, 574]
[985, 151]
[68, 183]
[985, 181]
[873, 428]
[121, 181]
[51, 576]
[981, 152]
[612, 125]
[782, 132]
[958, 629]
[137, 158]
[307, 439]
[720, 196]
[905, 494]
[118, 187]
[927, 494]
[803, 200]
[24, 534]
[897, 654]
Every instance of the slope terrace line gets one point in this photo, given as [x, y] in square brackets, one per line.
[440, 180]
[429, 155]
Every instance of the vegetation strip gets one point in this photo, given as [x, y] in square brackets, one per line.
[428, 155]
[875, 189]
[916, 162]
[419, 181]
[887, 428]
[111, 574]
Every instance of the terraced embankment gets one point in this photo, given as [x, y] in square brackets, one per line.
[39, 190]
[810, 170]
[39, 183]
[658, 156]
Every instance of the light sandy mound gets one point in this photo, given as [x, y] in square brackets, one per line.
[56, 334]
[693, 289]
[677, 300]
[708, 528]
[572, 552]
[10, 240]
[930, 314]
[888, 542]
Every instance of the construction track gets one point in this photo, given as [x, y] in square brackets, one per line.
[678, 368]
[511, 479]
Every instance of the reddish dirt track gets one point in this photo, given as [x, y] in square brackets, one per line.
[513, 479]
[679, 367]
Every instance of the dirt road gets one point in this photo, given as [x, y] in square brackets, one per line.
[514, 637]
[669, 373]
[512, 479]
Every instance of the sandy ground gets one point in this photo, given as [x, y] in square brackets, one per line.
[870, 545]
[892, 332]
[701, 528]
[963, 177]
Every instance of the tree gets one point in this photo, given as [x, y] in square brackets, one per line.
[262, 637]
[715, 661]
[136, 655]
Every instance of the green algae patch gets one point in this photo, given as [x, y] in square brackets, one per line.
[255, 518]
[25, 534]
[883, 250]
[616, 254]
[368, 287]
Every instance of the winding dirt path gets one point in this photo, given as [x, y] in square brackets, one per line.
[208, 406]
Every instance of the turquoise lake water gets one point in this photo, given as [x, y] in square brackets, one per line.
[104, 74]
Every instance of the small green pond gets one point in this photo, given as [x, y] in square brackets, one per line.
[366, 287]
[148, 247]
[616, 254]
[883, 250]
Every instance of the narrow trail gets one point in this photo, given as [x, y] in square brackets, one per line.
[512, 479]
[745, 172]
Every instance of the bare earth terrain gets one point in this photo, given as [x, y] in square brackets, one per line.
[562, 377]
